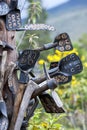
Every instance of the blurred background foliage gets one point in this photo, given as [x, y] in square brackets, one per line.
[73, 94]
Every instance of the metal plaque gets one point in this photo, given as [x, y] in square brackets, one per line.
[4, 8]
[49, 104]
[3, 122]
[71, 65]
[13, 20]
[24, 78]
[13, 4]
[64, 42]
[27, 59]
[60, 78]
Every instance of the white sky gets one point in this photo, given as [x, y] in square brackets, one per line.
[52, 3]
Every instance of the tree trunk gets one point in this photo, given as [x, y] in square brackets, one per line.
[9, 38]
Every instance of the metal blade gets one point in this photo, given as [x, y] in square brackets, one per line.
[3, 109]
[60, 78]
[64, 42]
[4, 8]
[13, 20]
[3, 122]
[49, 104]
[56, 98]
[24, 78]
[13, 4]
[30, 111]
[27, 59]
[70, 65]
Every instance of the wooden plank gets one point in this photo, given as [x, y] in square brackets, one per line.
[25, 101]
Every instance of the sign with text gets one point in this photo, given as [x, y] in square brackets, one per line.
[13, 20]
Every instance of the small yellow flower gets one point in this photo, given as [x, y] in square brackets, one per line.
[41, 62]
[65, 54]
[44, 124]
[50, 58]
[83, 58]
[73, 51]
[58, 53]
[56, 58]
[74, 82]
[73, 78]
[85, 64]
[60, 92]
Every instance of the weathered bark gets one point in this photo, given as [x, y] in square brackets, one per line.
[8, 37]
[25, 101]
[17, 103]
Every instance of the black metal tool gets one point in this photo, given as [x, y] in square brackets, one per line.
[62, 71]
[66, 45]
[64, 42]
[4, 46]
[68, 66]
[49, 104]
[27, 59]
[24, 78]
[3, 122]
[30, 111]
[13, 20]
[60, 78]
[13, 4]
[3, 108]
[4, 8]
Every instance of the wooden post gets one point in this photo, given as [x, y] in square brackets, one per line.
[9, 38]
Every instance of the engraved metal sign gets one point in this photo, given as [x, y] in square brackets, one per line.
[60, 78]
[64, 42]
[49, 104]
[70, 65]
[4, 8]
[13, 20]
[28, 59]
[13, 4]
[24, 78]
